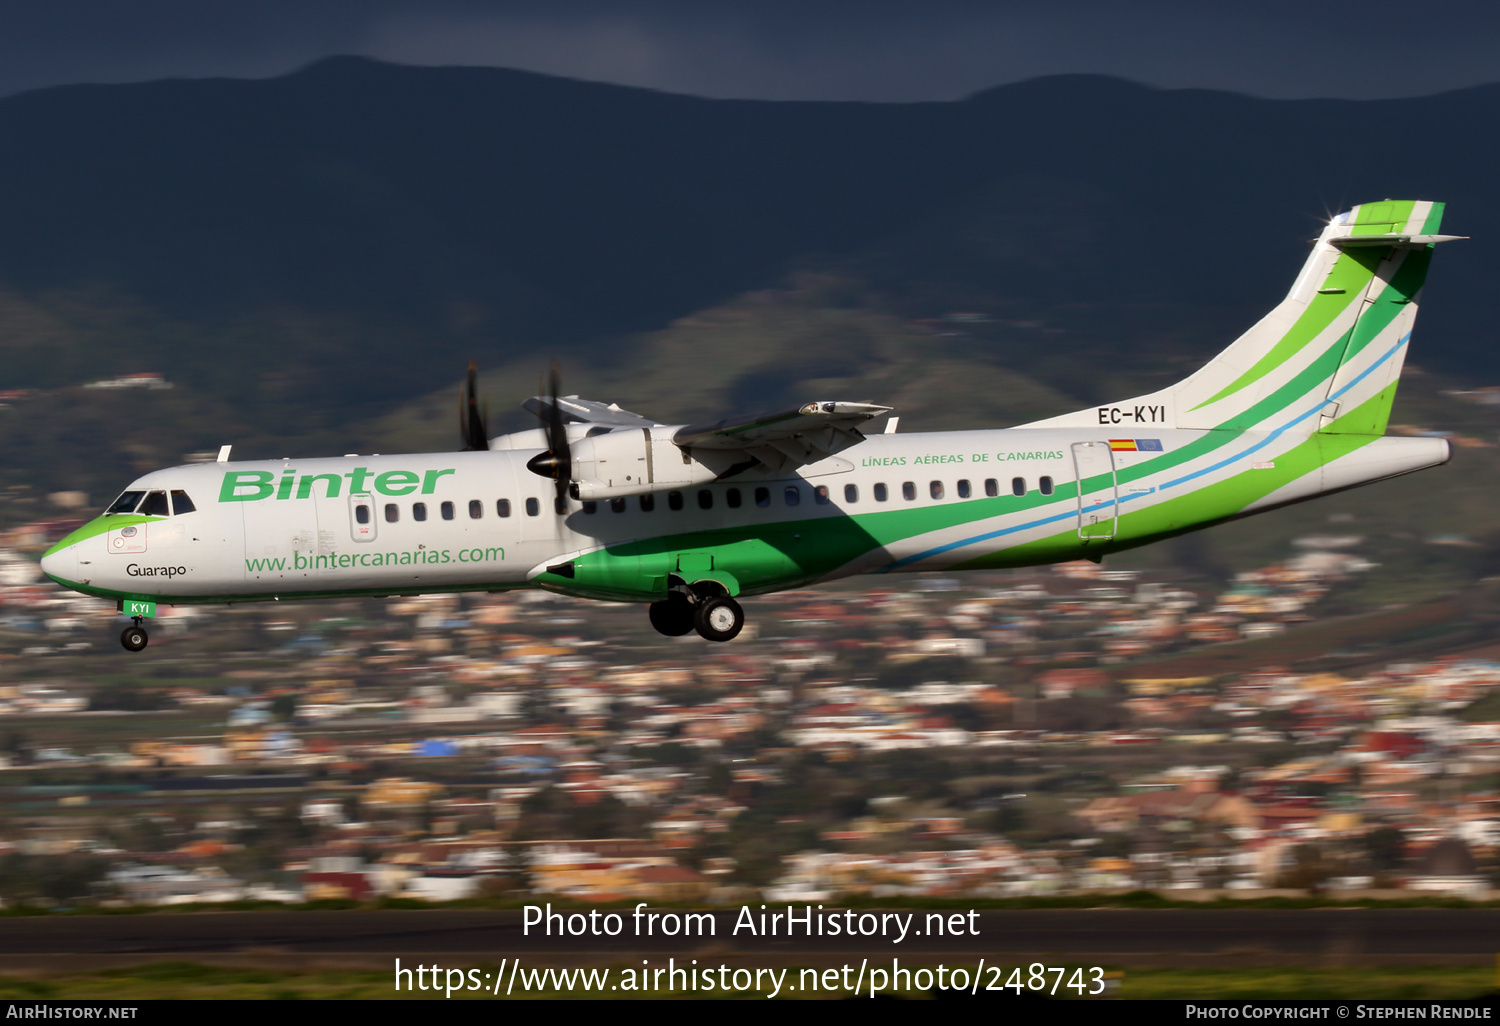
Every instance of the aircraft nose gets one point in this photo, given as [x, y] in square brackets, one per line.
[61, 562]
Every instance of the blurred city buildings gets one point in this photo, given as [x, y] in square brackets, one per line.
[1064, 730]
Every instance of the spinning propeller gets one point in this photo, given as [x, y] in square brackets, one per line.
[557, 461]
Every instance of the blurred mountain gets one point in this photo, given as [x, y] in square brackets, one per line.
[336, 237]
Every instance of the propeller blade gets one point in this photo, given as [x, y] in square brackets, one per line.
[557, 442]
[471, 419]
[557, 461]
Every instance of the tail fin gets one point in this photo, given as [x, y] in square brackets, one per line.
[1330, 353]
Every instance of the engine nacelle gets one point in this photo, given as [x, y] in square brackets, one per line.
[633, 461]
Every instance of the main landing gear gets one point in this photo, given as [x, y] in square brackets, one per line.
[715, 617]
[134, 638]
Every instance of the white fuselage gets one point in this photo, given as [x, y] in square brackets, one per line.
[480, 520]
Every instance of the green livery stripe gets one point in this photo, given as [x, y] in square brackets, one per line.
[1384, 212]
[1202, 507]
[1382, 218]
[1405, 284]
[767, 557]
[98, 526]
[800, 552]
[770, 557]
[1434, 219]
[1352, 272]
[406, 588]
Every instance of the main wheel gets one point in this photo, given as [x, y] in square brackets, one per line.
[719, 618]
[672, 617]
[134, 638]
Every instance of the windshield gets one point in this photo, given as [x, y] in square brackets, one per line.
[126, 503]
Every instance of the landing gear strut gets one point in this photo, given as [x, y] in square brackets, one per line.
[134, 638]
[716, 617]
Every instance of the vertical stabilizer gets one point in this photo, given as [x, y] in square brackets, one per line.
[1330, 353]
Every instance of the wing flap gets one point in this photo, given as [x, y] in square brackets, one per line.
[785, 438]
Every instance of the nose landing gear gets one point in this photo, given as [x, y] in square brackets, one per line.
[134, 638]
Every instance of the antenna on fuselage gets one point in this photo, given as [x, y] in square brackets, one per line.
[224, 453]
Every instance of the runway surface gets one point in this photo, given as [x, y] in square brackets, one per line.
[1186, 937]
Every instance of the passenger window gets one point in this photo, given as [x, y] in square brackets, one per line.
[733, 497]
[447, 510]
[674, 500]
[880, 493]
[820, 495]
[591, 507]
[502, 508]
[533, 507]
[762, 496]
[1018, 486]
[181, 503]
[963, 489]
[476, 509]
[851, 493]
[126, 503]
[793, 495]
[418, 511]
[361, 514]
[909, 491]
[1045, 485]
[935, 489]
[617, 505]
[156, 505]
[705, 499]
[392, 513]
[991, 487]
[648, 503]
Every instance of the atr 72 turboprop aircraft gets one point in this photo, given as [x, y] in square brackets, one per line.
[689, 518]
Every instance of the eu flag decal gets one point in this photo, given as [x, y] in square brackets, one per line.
[1148, 444]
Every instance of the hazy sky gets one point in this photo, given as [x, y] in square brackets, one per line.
[779, 49]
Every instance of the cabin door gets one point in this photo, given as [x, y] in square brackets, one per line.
[1098, 491]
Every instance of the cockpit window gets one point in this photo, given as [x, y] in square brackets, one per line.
[126, 503]
[156, 505]
[181, 503]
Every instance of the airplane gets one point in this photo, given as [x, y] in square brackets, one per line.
[687, 519]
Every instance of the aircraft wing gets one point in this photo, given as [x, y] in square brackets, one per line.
[586, 411]
[788, 438]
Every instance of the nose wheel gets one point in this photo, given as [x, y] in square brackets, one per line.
[134, 638]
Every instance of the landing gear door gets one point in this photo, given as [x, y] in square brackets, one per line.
[1098, 491]
[362, 518]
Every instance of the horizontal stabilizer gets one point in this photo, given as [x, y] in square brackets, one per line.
[1347, 241]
